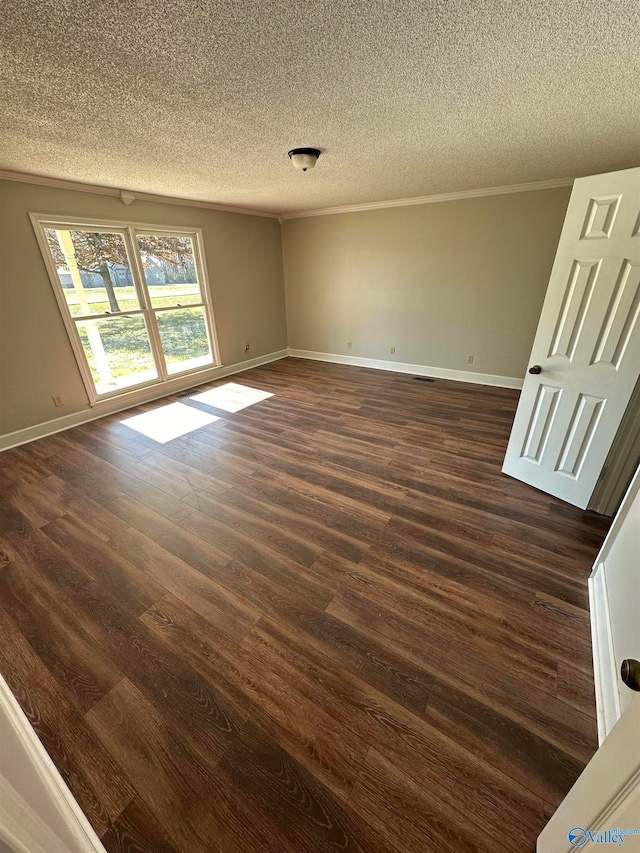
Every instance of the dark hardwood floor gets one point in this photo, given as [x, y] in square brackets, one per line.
[326, 622]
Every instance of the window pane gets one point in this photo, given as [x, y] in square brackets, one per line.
[94, 271]
[169, 270]
[184, 339]
[118, 352]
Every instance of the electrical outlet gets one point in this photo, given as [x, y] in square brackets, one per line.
[469, 359]
[349, 344]
[246, 347]
[392, 350]
[58, 400]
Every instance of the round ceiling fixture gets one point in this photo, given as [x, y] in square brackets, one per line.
[304, 158]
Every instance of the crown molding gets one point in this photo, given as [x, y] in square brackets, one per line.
[432, 199]
[63, 184]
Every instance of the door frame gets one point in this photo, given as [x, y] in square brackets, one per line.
[32, 774]
[605, 666]
[621, 463]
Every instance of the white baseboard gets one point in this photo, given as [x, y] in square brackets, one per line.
[147, 395]
[22, 823]
[417, 369]
[120, 404]
[608, 709]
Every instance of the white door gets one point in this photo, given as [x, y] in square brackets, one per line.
[586, 354]
[606, 797]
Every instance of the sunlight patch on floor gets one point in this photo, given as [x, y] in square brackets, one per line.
[168, 422]
[232, 397]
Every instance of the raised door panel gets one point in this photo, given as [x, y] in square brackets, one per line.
[587, 343]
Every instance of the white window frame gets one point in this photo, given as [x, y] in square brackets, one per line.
[129, 231]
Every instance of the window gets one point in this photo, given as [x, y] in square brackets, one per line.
[134, 301]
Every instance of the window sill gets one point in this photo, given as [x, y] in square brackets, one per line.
[141, 392]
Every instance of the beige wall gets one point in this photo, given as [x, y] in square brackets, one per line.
[244, 258]
[437, 281]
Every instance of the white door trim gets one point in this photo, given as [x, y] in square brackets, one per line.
[35, 755]
[22, 828]
[605, 665]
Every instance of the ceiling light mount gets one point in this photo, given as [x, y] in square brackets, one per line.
[304, 158]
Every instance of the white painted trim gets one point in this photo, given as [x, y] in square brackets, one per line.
[120, 404]
[417, 369]
[608, 709]
[605, 667]
[63, 184]
[629, 791]
[432, 199]
[621, 515]
[74, 818]
[22, 828]
[621, 462]
[173, 386]
[607, 787]
[129, 232]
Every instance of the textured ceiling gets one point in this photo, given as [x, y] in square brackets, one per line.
[406, 98]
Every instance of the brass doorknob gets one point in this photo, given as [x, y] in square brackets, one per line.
[630, 673]
[535, 369]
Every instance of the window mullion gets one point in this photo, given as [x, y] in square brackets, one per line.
[205, 293]
[179, 307]
[145, 301]
[107, 315]
[162, 342]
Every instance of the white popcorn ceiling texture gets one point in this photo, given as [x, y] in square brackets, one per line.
[202, 100]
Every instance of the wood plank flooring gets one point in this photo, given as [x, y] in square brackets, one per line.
[325, 622]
